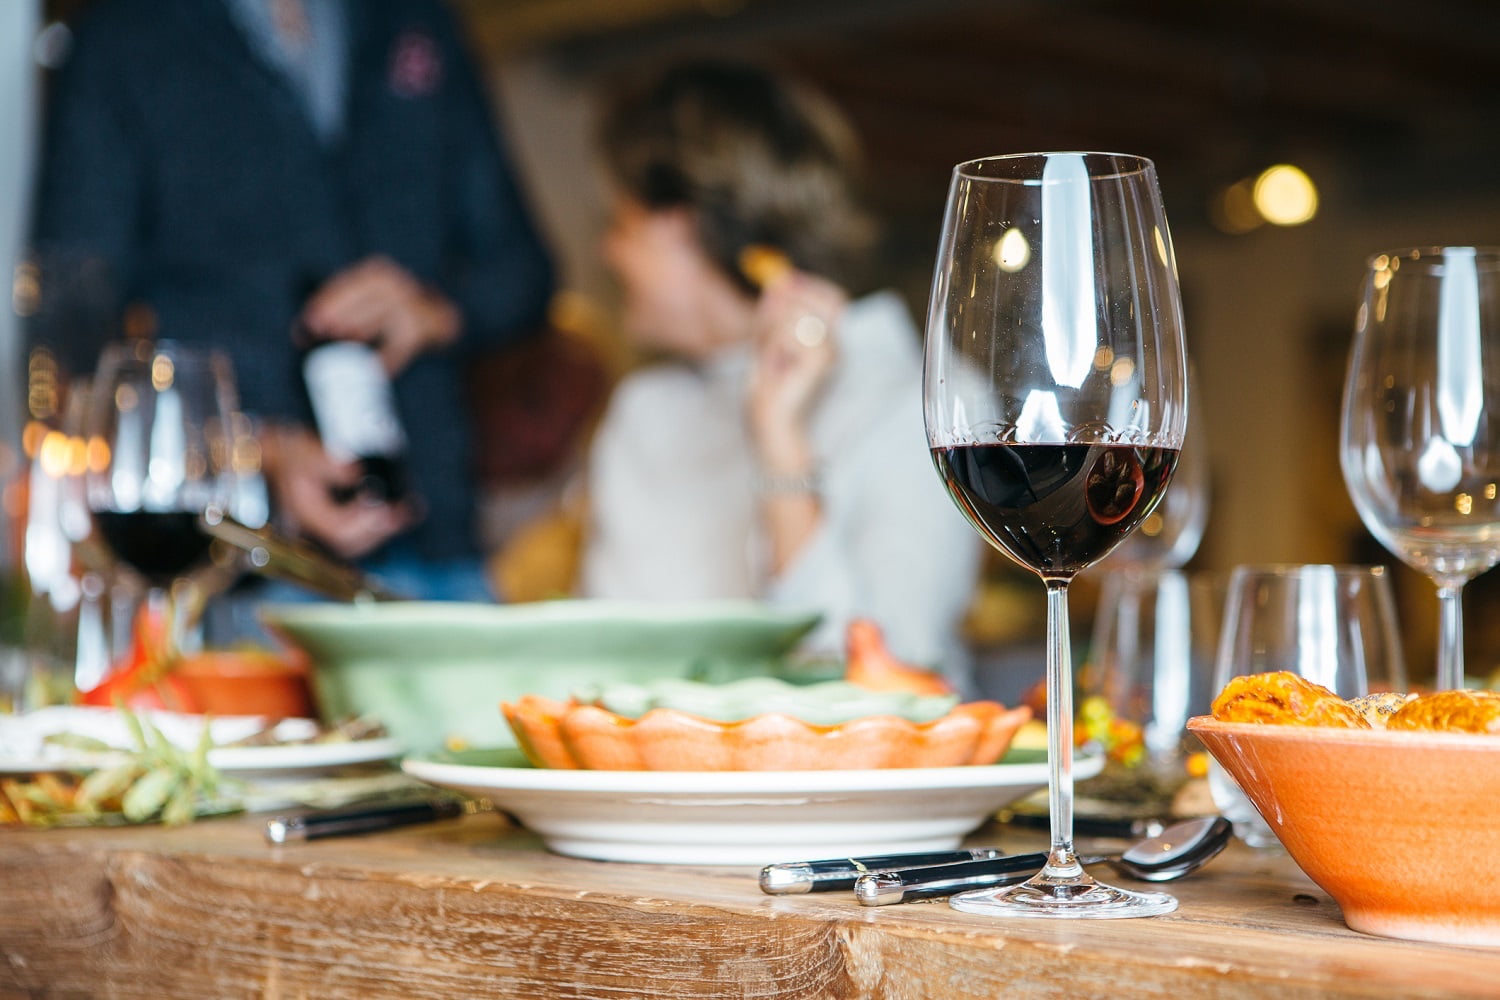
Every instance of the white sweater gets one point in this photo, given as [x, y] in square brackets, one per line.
[674, 510]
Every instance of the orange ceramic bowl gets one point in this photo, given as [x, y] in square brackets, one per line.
[570, 735]
[1402, 829]
[246, 682]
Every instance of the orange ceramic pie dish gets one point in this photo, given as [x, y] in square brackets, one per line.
[575, 735]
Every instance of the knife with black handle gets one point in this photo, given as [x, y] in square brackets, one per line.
[317, 824]
[832, 874]
[880, 888]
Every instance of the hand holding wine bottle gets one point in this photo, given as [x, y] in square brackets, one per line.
[378, 302]
[347, 488]
[356, 330]
[307, 482]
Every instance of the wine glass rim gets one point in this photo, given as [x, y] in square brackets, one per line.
[1437, 251]
[1127, 165]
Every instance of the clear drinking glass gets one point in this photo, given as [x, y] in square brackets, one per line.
[1420, 443]
[1056, 404]
[1151, 664]
[1334, 625]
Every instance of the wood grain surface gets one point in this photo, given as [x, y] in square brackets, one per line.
[477, 908]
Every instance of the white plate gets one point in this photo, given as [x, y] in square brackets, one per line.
[739, 817]
[301, 759]
[24, 750]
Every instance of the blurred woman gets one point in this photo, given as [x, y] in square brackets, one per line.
[777, 449]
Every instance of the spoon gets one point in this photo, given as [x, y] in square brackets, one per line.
[1177, 851]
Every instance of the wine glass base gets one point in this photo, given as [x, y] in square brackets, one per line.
[1081, 898]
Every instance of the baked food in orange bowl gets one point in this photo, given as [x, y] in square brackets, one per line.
[1393, 809]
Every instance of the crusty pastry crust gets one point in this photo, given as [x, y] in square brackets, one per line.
[1284, 698]
[1287, 699]
[1450, 711]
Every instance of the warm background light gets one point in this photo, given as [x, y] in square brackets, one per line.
[1233, 211]
[1285, 195]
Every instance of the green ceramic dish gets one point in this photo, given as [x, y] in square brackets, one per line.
[435, 673]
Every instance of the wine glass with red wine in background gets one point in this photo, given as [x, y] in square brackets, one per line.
[1056, 406]
[157, 440]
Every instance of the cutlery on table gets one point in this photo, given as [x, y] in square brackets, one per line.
[1177, 851]
[893, 878]
[832, 874]
[319, 823]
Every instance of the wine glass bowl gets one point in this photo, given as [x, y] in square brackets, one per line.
[156, 437]
[1420, 428]
[1055, 397]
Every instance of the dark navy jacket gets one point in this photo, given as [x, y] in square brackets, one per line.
[174, 151]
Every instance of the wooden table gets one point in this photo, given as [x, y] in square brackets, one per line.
[474, 907]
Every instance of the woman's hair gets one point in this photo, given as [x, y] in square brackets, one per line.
[758, 160]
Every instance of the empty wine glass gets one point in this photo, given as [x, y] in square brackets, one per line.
[158, 455]
[1420, 442]
[1056, 404]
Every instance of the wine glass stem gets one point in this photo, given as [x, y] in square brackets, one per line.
[1450, 664]
[1061, 862]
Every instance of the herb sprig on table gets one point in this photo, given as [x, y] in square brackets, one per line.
[156, 781]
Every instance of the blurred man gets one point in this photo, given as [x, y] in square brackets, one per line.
[247, 167]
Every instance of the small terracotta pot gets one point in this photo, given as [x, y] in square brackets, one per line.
[247, 682]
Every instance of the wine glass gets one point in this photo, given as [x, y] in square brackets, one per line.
[1420, 440]
[158, 456]
[1056, 404]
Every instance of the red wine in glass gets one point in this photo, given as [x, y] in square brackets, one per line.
[1055, 508]
[160, 545]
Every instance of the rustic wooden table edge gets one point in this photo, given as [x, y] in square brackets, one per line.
[478, 908]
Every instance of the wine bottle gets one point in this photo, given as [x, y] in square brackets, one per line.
[355, 410]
